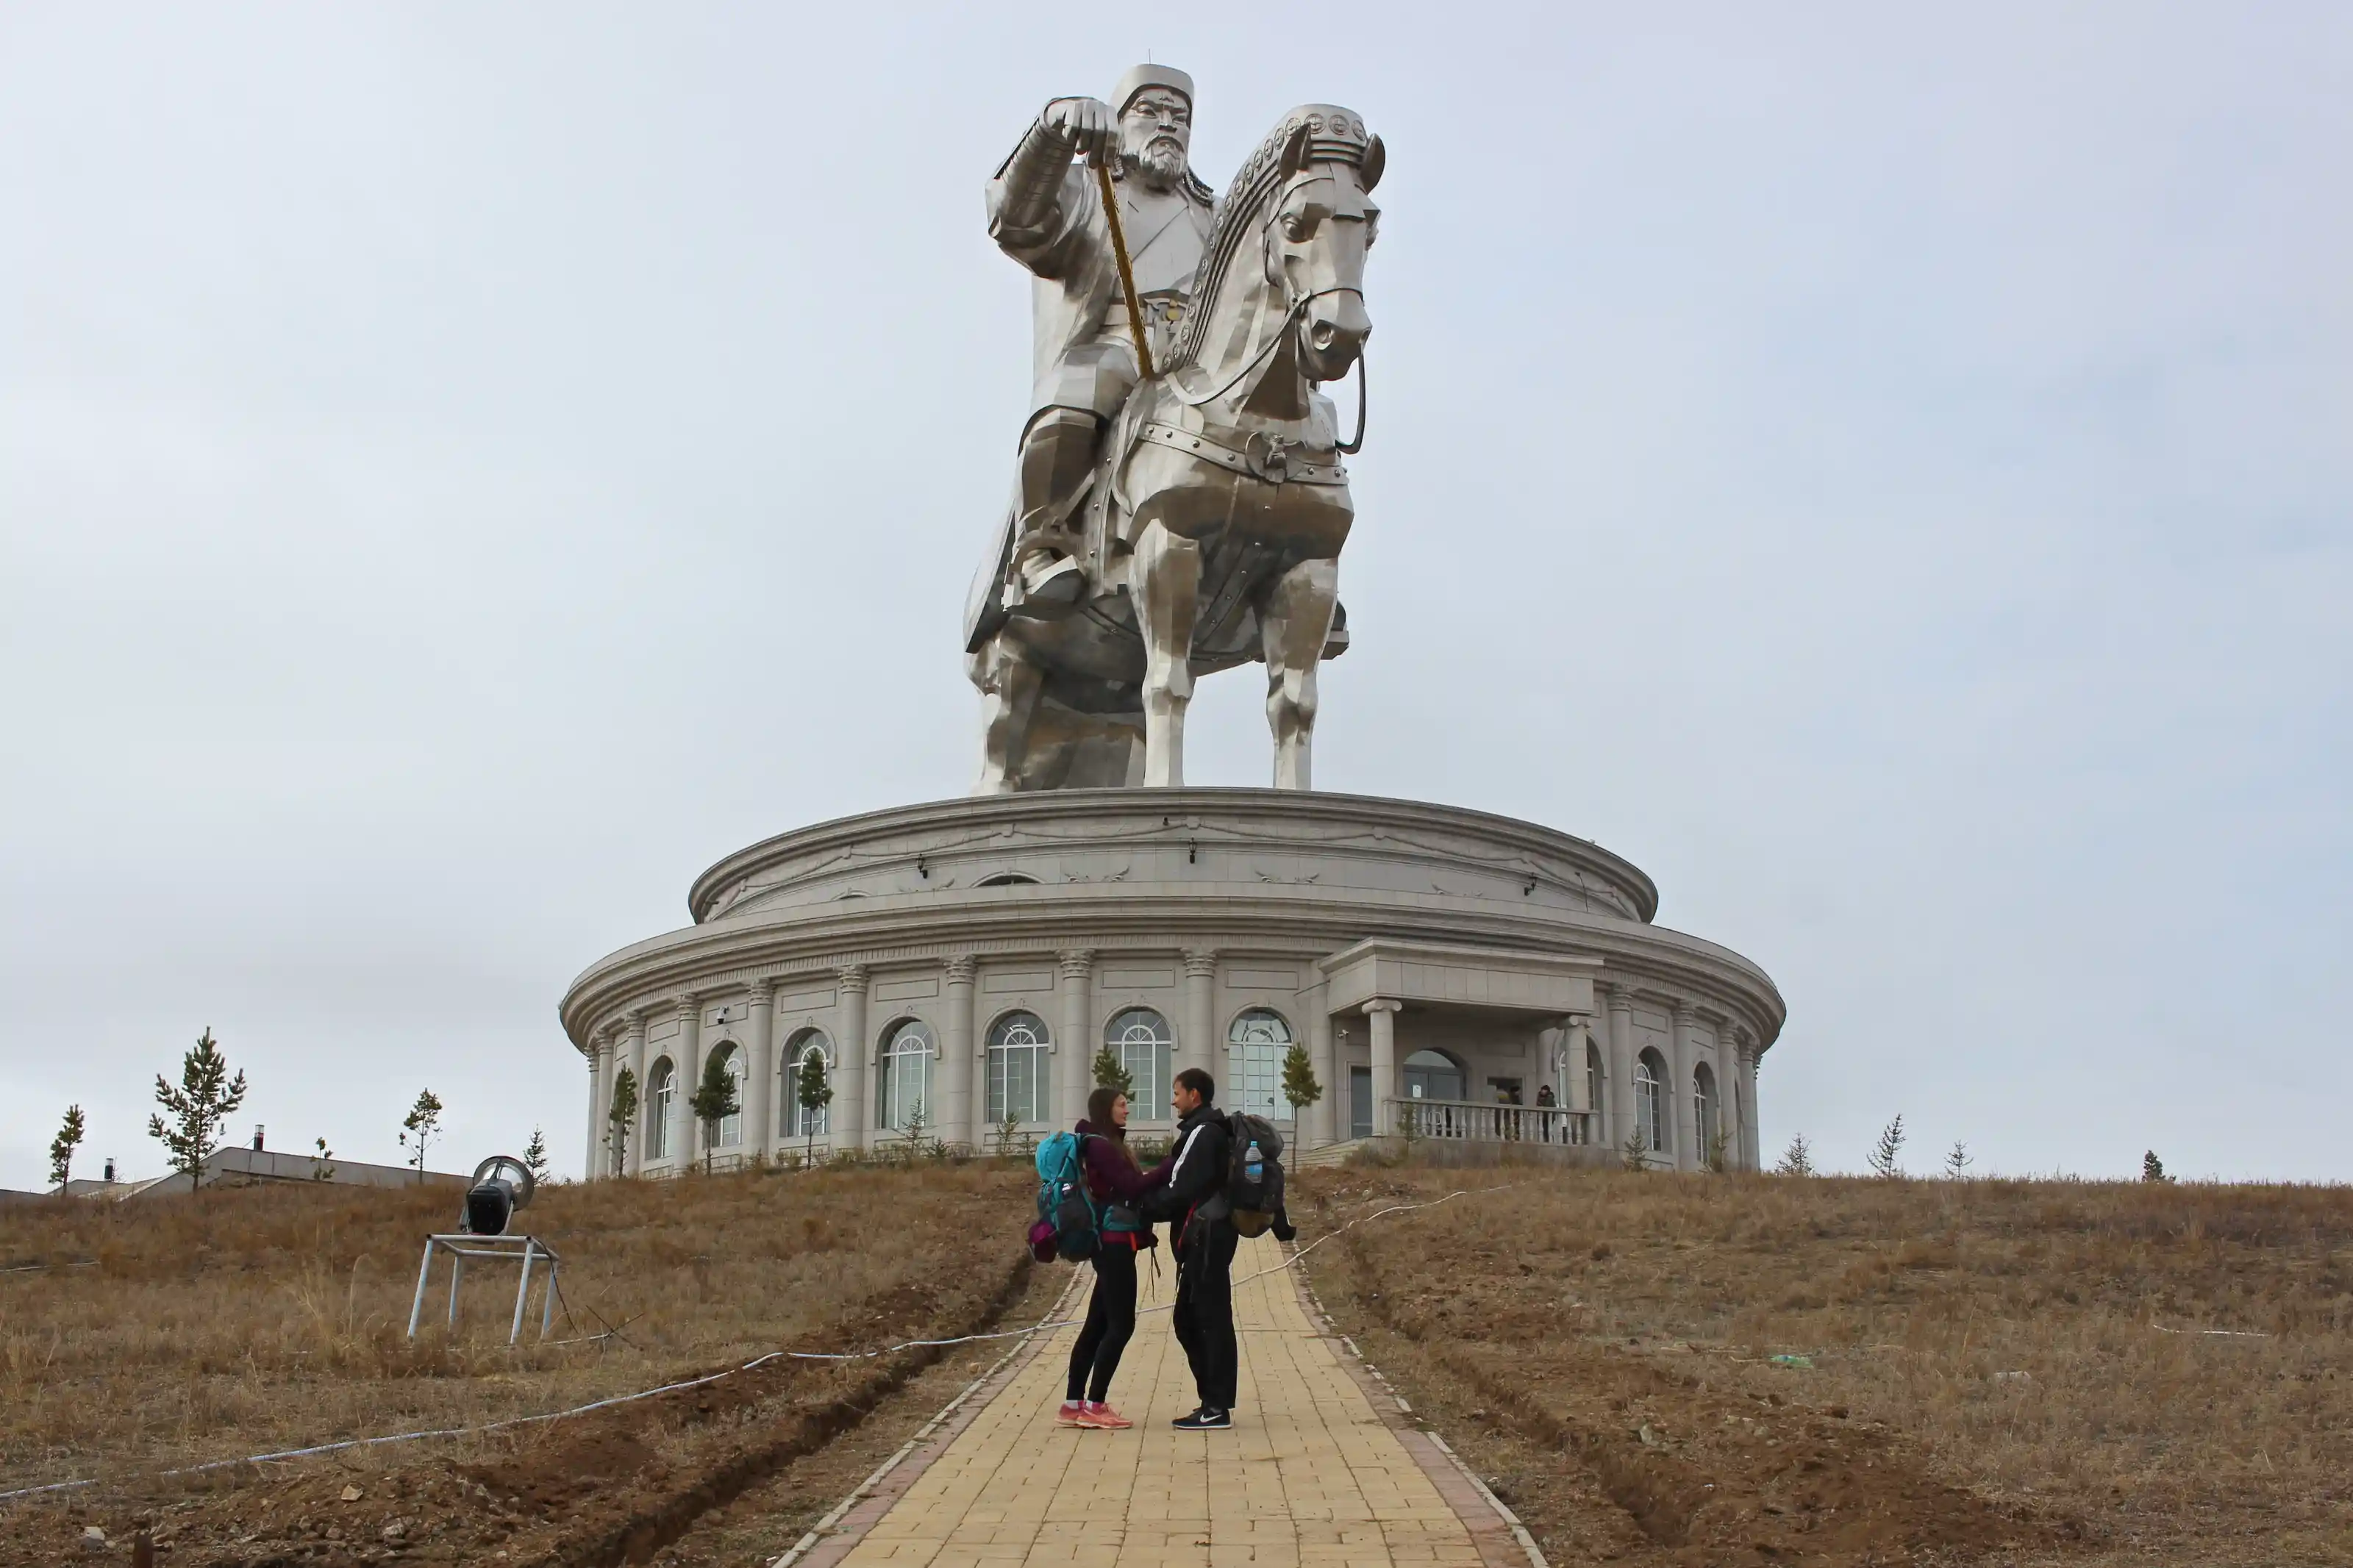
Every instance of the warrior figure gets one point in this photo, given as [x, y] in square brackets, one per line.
[1046, 212]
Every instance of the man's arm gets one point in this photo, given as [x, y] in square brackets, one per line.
[1195, 1171]
[1025, 212]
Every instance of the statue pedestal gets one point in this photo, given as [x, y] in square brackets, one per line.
[962, 962]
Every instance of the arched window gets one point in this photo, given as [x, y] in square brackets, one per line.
[1017, 1043]
[1433, 1075]
[905, 1091]
[1146, 1048]
[1650, 1102]
[661, 1090]
[1007, 879]
[1704, 1111]
[731, 1128]
[806, 1122]
[1592, 1076]
[1255, 1047]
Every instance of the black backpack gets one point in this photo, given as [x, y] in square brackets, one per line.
[1253, 1190]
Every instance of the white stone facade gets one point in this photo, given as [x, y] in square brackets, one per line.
[965, 960]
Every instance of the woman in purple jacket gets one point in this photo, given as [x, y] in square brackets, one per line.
[1116, 1185]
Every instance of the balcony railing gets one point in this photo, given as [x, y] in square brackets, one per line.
[1469, 1122]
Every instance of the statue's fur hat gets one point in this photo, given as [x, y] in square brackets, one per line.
[1138, 77]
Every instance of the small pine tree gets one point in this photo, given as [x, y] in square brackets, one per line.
[1112, 1073]
[1958, 1160]
[421, 1127]
[1008, 1135]
[1797, 1160]
[1299, 1085]
[323, 1163]
[1717, 1142]
[713, 1101]
[1634, 1153]
[813, 1088]
[535, 1155]
[62, 1147]
[2152, 1169]
[1884, 1154]
[619, 1117]
[207, 1097]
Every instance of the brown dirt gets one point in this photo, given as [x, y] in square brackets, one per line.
[632, 1483]
[1597, 1345]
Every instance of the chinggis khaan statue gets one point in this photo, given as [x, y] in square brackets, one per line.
[1179, 502]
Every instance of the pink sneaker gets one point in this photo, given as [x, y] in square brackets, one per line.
[1104, 1418]
[1073, 1412]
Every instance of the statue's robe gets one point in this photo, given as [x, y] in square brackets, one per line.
[1084, 355]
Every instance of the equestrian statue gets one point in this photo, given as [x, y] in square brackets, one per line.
[1179, 500]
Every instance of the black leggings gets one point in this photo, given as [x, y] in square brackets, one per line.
[1111, 1322]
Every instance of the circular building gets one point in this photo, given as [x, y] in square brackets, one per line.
[1449, 975]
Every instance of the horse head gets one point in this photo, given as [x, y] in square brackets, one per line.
[1319, 224]
[1304, 198]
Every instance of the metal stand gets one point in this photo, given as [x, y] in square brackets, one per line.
[525, 1249]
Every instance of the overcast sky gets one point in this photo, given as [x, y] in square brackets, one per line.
[464, 469]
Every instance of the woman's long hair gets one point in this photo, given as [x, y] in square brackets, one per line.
[1099, 1106]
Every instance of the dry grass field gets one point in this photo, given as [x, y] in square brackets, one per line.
[1993, 1371]
[173, 1331]
[1996, 1371]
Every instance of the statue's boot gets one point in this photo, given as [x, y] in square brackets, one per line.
[1057, 452]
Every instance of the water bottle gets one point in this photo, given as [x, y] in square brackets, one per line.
[1253, 1165]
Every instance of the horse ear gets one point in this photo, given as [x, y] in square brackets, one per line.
[1294, 149]
[1377, 158]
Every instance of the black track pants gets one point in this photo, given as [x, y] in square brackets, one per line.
[1205, 1314]
[1110, 1321]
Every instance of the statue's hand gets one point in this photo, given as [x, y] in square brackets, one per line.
[1086, 124]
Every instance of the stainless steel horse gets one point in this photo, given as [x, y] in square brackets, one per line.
[1213, 527]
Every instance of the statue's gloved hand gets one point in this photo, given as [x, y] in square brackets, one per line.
[1086, 124]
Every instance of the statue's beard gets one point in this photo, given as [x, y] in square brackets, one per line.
[1162, 163]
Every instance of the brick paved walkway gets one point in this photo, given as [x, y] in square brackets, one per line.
[1321, 1466]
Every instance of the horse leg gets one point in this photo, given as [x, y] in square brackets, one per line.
[1292, 626]
[1009, 685]
[1166, 579]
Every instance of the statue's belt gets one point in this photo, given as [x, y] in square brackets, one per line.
[1261, 456]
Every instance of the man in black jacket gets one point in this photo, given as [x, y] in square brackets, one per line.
[1193, 1198]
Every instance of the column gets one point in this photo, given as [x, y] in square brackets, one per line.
[1685, 1053]
[601, 1050]
[1197, 1047]
[1620, 1003]
[1751, 1125]
[1316, 1127]
[854, 1058]
[632, 1056]
[1576, 1091]
[1728, 1095]
[1620, 1064]
[688, 1058]
[962, 1110]
[1383, 1014]
[1074, 1043]
[760, 1077]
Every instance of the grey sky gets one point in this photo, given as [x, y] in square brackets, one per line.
[462, 470]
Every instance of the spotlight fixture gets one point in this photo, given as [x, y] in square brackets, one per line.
[501, 1185]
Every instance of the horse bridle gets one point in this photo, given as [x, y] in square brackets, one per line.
[1291, 320]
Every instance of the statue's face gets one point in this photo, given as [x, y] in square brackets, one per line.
[1155, 136]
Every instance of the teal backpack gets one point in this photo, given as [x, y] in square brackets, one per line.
[1067, 1220]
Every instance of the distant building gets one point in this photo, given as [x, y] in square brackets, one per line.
[248, 1167]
